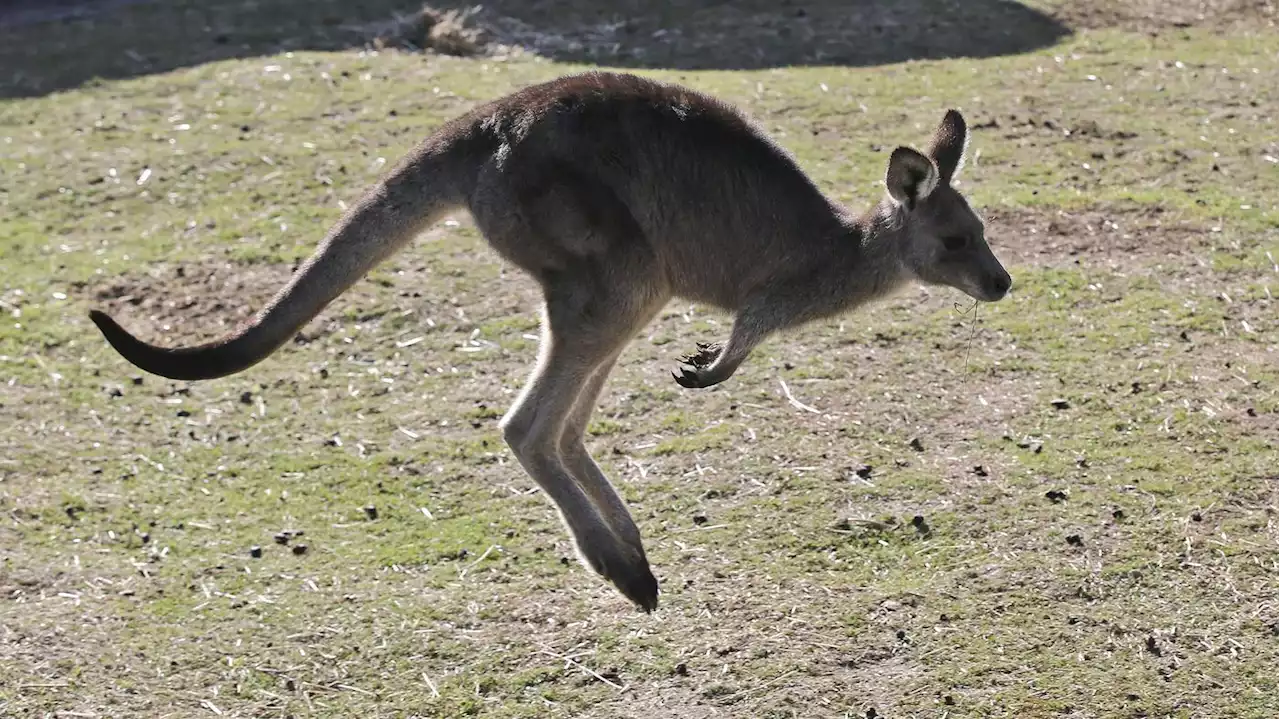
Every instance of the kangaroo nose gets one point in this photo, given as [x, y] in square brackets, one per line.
[1001, 284]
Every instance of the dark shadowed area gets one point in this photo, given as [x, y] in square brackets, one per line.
[52, 46]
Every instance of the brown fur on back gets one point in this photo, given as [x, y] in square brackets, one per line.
[721, 206]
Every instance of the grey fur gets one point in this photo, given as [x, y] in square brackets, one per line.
[617, 193]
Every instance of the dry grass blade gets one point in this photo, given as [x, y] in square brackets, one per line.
[786, 391]
[973, 329]
[569, 661]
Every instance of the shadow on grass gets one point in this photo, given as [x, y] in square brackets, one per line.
[52, 45]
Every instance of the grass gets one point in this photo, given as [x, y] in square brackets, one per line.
[1129, 177]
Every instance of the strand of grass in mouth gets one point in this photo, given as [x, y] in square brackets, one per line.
[973, 330]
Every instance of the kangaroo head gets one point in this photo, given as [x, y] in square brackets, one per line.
[943, 242]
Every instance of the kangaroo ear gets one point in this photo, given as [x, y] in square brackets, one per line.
[911, 176]
[948, 145]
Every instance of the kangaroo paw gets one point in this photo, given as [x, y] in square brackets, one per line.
[694, 371]
[624, 567]
[704, 356]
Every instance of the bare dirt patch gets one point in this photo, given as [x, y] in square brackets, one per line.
[188, 299]
[1153, 15]
[1116, 238]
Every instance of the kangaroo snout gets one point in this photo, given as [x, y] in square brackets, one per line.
[997, 286]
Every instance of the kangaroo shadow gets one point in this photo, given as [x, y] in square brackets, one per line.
[51, 45]
[758, 34]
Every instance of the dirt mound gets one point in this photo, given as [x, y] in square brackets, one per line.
[449, 32]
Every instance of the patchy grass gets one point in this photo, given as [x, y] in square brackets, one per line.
[1085, 525]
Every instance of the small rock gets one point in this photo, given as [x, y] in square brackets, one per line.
[1153, 646]
[246, 398]
[1251, 412]
[282, 537]
[145, 537]
[1055, 496]
[863, 471]
[901, 463]
[980, 470]
[682, 669]
[370, 511]
[255, 551]
[1060, 404]
[115, 392]
[183, 413]
[916, 444]
[137, 380]
[1196, 517]
[700, 518]
[1082, 462]
[1075, 540]
[299, 549]
[1184, 336]
[1117, 514]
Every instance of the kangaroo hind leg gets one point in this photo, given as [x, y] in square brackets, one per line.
[590, 477]
[588, 318]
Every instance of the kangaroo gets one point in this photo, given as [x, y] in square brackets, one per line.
[617, 193]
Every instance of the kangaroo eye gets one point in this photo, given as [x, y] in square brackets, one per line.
[953, 244]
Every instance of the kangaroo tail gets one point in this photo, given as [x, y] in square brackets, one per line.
[424, 185]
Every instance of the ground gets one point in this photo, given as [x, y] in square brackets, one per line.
[1062, 505]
